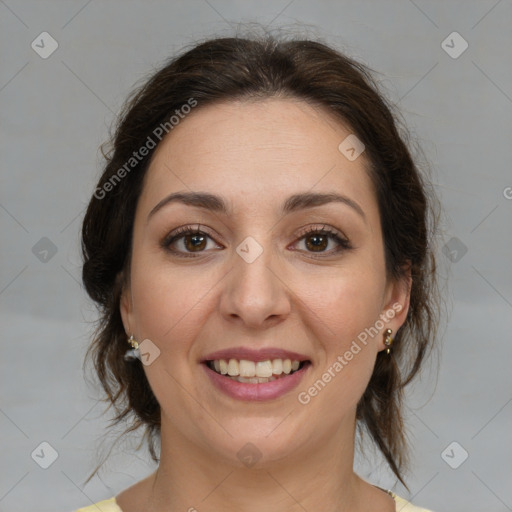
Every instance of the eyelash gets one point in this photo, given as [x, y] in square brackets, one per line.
[344, 243]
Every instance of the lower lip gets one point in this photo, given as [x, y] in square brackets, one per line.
[256, 392]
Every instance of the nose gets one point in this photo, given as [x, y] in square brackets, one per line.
[254, 294]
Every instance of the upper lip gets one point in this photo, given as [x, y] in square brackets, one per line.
[251, 354]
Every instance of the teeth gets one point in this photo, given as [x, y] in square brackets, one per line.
[277, 366]
[255, 372]
[255, 380]
[247, 368]
[264, 369]
[233, 368]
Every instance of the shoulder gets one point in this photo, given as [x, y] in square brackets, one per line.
[405, 506]
[102, 506]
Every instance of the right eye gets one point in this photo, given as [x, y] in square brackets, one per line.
[187, 240]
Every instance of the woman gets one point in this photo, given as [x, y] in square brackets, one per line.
[259, 246]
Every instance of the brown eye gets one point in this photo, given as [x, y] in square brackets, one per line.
[317, 243]
[186, 241]
[194, 242]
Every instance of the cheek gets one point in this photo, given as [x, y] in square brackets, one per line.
[343, 304]
[168, 306]
[167, 302]
[343, 314]
[341, 320]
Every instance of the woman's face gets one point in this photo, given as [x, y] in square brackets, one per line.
[288, 264]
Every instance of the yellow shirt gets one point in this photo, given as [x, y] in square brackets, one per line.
[111, 506]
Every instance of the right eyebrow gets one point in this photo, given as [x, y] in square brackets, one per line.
[199, 199]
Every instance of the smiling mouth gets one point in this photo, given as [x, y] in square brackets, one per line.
[255, 372]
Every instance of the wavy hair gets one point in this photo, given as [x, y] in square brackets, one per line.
[234, 68]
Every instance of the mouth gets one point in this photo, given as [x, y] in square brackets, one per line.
[256, 372]
[249, 375]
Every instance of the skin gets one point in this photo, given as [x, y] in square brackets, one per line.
[255, 155]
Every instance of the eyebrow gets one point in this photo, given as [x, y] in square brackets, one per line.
[293, 203]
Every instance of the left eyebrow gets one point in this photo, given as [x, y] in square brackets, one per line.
[310, 200]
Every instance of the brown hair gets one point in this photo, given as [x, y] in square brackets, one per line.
[226, 69]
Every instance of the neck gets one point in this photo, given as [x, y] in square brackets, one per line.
[194, 479]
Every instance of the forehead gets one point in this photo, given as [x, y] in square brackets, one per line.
[256, 151]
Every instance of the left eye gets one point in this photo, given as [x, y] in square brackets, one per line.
[318, 241]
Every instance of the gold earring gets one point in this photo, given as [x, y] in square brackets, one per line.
[132, 342]
[389, 340]
[134, 352]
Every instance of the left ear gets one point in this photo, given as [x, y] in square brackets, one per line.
[396, 303]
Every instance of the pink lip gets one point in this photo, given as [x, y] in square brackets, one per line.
[254, 355]
[256, 392]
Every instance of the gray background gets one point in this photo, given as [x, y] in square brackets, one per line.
[55, 114]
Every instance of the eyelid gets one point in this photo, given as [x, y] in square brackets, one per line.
[182, 231]
[326, 228]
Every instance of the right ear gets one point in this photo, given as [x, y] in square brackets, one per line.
[126, 306]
